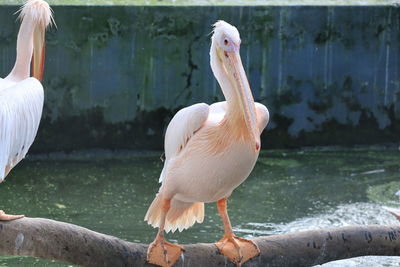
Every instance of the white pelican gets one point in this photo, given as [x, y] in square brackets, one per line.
[209, 151]
[21, 97]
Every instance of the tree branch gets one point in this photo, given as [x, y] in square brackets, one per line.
[50, 239]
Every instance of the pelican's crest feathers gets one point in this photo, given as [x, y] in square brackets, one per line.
[39, 11]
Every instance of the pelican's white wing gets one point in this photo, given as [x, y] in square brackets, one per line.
[262, 116]
[181, 128]
[21, 108]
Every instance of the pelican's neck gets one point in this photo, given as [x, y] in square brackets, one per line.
[241, 109]
[21, 68]
[223, 80]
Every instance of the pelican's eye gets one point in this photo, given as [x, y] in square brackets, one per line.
[227, 44]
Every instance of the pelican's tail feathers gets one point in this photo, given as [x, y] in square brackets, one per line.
[181, 215]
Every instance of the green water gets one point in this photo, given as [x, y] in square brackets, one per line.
[288, 191]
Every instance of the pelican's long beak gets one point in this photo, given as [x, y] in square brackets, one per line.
[38, 51]
[237, 76]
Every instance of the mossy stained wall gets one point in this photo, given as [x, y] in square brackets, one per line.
[115, 75]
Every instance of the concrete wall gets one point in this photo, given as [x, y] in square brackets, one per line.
[115, 75]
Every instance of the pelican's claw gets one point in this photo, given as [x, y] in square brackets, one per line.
[238, 250]
[163, 253]
[8, 217]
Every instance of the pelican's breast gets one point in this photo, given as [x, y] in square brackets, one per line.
[211, 166]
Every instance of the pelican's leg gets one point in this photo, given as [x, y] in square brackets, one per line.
[3, 215]
[7, 217]
[236, 249]
[161, 252]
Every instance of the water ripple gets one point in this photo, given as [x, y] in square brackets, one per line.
[343, 215]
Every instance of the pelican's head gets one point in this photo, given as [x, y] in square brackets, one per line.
[225, 61]
[226, 38]
[228, 69]
[38, 14]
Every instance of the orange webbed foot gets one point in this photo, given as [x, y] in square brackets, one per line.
[163, 253]
[9, 217]
[238, 250]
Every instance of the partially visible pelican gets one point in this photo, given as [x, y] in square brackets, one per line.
[393, 211]
[21, 97]
[209, 151]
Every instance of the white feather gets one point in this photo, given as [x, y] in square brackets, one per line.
[21, 108]
[181, 128]
[262, 116]
[219, 109]
[217, 112]
[39, 11]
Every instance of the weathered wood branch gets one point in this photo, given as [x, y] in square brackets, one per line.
[50, 239]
